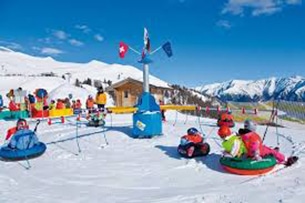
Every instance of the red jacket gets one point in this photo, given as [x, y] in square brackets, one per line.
[13, 106]
[60, 105]
[253, 144]
[78, 105]
[196, 139]
[12, 131]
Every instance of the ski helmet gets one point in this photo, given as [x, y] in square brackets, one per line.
[250, 125]
[192, 131]
[224, 131]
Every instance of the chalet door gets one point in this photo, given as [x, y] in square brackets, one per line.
[126, 98]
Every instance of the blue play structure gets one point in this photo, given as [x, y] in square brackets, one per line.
[147, 121]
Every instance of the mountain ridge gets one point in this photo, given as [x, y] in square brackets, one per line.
[285, 88]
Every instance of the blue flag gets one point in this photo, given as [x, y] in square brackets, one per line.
[168, 49]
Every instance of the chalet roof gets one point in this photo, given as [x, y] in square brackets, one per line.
[132, 80]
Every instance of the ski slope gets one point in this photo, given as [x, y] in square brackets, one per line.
[144, 170]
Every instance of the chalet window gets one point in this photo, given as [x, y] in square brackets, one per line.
[125, 94]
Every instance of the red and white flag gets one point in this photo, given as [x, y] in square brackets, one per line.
[123, 49]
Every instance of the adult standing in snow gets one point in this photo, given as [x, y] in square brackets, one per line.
[101, 99]
[255, 147]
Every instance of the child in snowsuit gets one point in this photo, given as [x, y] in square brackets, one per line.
[20, 125]
[52, 105]
[232, 144]
[192, 144]
[90, 104]
[96, 119]
[255, 147]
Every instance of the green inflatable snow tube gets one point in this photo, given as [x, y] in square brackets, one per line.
[248, 166]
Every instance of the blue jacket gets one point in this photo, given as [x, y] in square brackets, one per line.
[23, 139]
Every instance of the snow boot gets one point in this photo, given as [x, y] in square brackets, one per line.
[276, 149]
[291, 160]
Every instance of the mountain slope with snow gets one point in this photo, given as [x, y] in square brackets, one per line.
[290, 88]
[16, 63]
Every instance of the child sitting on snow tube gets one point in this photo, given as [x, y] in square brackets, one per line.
[20, 125]
[23, 144]
[96, 119]
[234, 158]
[192, 144]
[255, 148]
[232, 143]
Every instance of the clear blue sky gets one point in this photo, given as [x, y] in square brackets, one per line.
[213, 40]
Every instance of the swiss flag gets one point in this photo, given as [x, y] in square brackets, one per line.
[123, 49]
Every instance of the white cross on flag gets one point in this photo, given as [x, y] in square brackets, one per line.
[123, 49]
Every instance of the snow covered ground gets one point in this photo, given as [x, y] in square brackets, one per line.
[144, 170]
[130, 170]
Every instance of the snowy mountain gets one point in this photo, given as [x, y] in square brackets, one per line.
[22, 70]
[15, 63]
[291, 89]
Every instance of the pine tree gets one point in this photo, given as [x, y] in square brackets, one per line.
[77, 83]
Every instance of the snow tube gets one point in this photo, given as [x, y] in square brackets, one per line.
[200, 150]
[248, 166]
[9, 154]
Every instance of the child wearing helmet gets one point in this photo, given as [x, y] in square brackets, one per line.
[232, 144]
[255, 147]
[192, 144]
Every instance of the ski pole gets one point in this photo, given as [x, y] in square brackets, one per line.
[35, 129]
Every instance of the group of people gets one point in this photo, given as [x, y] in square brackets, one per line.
[65, 104]
[246, 143]
[100, 101]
